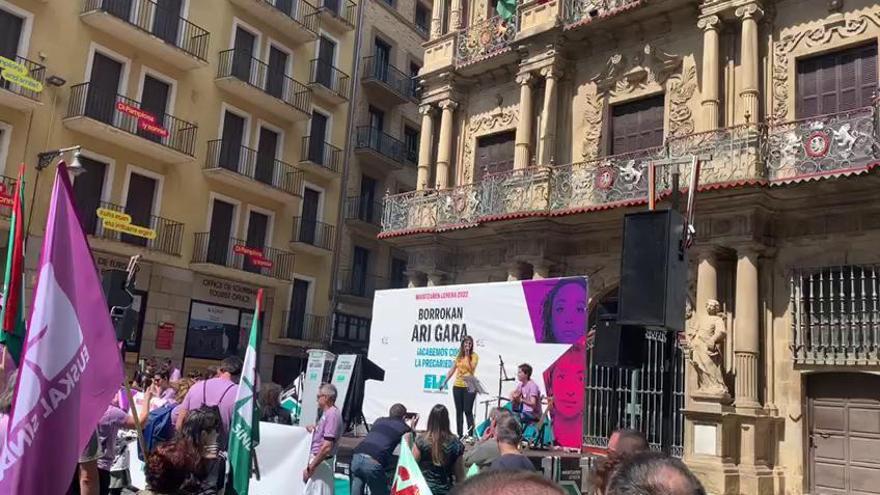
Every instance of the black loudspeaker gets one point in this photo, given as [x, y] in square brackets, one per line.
[620, 346]
[653, 271]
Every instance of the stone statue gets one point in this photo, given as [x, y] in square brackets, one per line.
[704, 342]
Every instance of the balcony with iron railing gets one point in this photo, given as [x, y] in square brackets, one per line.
[378, 150]
[269, 88]
[486, 39]
[21, 94]
[353, 283]
[313, 236]
[363, 213]
[328, 83]
[214, 250]
[252, 170]
[295, 19]
[386, 83]
[320, 157]
[157, 234]
[103, 114]
[338, 15]
[576, 13]
[306, 327]
[150, 27]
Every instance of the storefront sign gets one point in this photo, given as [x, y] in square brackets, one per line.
[254, 255]
[18, 74]
[146, 120]
[226, 292]
[121, 222]
[165, 336]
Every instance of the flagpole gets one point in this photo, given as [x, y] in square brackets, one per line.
[137, 419]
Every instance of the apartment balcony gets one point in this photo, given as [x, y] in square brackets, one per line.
[119, 120]
[378, 151]
[320, 158]
[359, 286]
[247, 169]
[363, 214]
[167, 235]
[312, 236]
[214, 255]
[297, 20]
[306, 327]
[328, 84]
[386, 84]
[18, 96]
[266, 88]
[147, 26]
[490, 42]
[337, 15]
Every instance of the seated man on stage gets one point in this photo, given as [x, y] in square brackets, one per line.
[526, 398]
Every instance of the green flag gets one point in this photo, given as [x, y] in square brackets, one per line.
[472, 471]
[408, 478]
[245, 425]
[506, 9]
[12, 314]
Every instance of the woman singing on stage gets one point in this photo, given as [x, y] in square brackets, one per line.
[464, 390]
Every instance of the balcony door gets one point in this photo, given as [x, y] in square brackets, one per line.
[104, 82]
[298, 307]
[637, 125]
[232, 141]
[139, 205]
[332, 6]
[398, 274]
[277, 72]
[222, 216]
[10, 35]
[245, 46]
[377, 124]
[258, 228]
[366, 211]
[309, 218]
[166, 21]
[381, 59]
[88, 188]
[286, 6]
[326, 56]
[119, 8]
[836, 82]
[494, 154]
[266, 153]
[155, 99]
[359, 270]
[317, 136]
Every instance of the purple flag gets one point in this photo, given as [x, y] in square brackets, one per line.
[70, 365]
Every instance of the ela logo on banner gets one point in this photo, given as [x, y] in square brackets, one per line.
[433, 382]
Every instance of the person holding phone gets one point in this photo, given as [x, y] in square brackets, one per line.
[464, 390]
[374, 456]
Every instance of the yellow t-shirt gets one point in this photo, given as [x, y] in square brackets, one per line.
[465, 367]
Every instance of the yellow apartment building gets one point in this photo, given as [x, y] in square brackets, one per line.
[219, 125]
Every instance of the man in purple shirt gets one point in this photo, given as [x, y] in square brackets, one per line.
[526, 397]
[219, 391]
[318, 475]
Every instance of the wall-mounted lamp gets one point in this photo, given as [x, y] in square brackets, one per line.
[75, 168]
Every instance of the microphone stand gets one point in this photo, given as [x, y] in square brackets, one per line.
[502, 377]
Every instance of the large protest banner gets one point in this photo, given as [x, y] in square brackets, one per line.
[416, 333]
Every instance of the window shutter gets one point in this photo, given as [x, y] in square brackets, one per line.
[847, 91]
[868, 75]
[807, 103]
[836, 82]
[637, 125]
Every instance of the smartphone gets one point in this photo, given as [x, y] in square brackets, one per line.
[409, 415]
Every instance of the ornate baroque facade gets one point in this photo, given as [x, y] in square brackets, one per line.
[536, 135]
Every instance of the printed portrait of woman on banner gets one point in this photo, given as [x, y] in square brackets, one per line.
[558, 309]
[565, 389]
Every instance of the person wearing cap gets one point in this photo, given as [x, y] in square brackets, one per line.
[374, 456]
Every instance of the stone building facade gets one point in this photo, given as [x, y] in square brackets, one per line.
[538, 132]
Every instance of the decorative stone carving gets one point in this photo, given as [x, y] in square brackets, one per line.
[681, 121]
[833, 28]
[704, 351]
[624, 74]
[593, 113]
[709, 22]
[426, 110]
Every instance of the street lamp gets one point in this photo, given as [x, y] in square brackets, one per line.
[45, 158]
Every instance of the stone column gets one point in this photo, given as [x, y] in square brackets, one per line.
[426, 141]
[746, 337]
[710, 25]
[524, 126]
[444, 151]
[548, 116]
[750, 60]
[707, 278]
[437, 19]
[454, 16]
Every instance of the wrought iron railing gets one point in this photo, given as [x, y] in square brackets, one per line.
[306, 326]
[575, 11]
[35, 71]
[325, 74]
[320, 153]
[363, 209]
[123, 113]
[168, 233]
[516, 191]
[344, 10]
[254, 164]
[237, 253]
[379, 69]
[313, 232]
[485, 39]
[409, 211]
[150, 17]
[370, 138]
[836, 315]
[828, 144]
[729, 155]
[300, 11]
[359, 284]
[270, 80]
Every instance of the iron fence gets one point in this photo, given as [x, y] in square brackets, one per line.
[235, 253]
[306, 326]
[320, 153]
[379, 69]
[300, 11]
[364, 209]
[344, 10]
[254, 164]
[485, 39]
[273, 81]
[313, 232]
[325, 74]
[168, 233]
[576, 11]
[34, 71]
[368, 137]
[360, 284]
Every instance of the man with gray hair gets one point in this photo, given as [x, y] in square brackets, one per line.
[653, 473]
[318, 474]
[486, 450]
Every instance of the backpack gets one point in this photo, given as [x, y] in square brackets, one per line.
[214, 409]
[157, 429]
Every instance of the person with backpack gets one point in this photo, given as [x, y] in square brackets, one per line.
[216, 393]
[200, 433]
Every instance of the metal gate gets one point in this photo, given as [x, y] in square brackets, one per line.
[618, 398]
